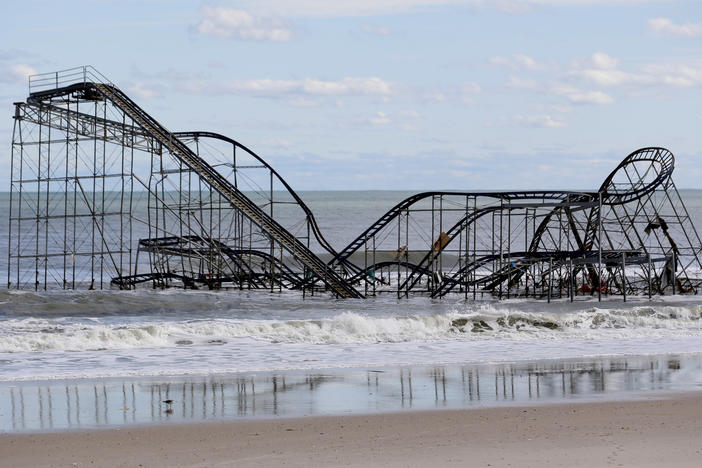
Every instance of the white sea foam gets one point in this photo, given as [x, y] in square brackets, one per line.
[481, 323]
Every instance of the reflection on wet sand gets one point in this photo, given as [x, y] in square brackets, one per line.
[44, 406]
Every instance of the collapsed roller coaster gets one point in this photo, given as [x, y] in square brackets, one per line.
[104, 196]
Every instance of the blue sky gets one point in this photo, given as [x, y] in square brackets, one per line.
[391, 94]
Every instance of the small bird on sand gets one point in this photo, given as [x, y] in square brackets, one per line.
[169, 403]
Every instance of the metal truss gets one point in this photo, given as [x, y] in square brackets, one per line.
[103, 195]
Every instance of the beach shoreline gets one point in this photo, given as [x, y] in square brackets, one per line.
[652, 430]
[75, 404]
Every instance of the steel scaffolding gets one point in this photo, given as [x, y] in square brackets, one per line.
[103, 195]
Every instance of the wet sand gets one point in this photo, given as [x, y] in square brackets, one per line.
[658, 430]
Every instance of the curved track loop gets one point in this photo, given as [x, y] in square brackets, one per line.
[659, 159]
[635, 187]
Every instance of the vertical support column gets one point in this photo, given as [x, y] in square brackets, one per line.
[569, 245]
[560, 249]
[499, 269]
[181, 212]
[475, 234]
[399, 258]
[104, 244]
[270, 213]
[492, 238]
[20, 202]
[509, 245]
[407, 252]
[365, 266]
[649, 276]
[526, 249]
[459, 267]
[280, 283]
[464, 276]
[624, 275]
[12, 190]
[431, 247]
[599, 246]
[131, 204]
[48, 194]
[441, 231]
[550, 277]
[220, 242]
[92, 202]
[38, 204]
[374, 263]
[75, 203]
[534, 266]
[149, 209]
[570, 278]
[305, 269]
[122, 246]
[674, 267]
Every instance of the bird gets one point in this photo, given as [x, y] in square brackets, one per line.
[169, 404]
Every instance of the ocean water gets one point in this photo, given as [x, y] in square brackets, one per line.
[88, 334]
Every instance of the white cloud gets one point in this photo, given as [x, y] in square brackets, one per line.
[15, 73]
[457, 93]
[531, 121]
[577, 96]
[435, 96]
[380, 118]
[301, 101]
[614, 77]
[516, 62]
[470, 88]
[326, 8]
[602, 70]
[375, 29]
[521, 83]
[667, 26]
[349, 86]
[229, 23]
[411, 114]
[597, 61]
[142, 91]
[680, 75]
[371, 85]
[603, 61]
[280, 143]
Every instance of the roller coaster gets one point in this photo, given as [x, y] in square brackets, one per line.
[104, 196]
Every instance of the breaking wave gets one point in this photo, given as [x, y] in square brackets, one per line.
[485, 322]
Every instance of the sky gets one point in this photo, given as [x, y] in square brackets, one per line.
[391, 94]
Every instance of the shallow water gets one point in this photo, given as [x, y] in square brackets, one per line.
[81, 404]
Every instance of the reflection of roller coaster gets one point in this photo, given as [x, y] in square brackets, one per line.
[104, 195]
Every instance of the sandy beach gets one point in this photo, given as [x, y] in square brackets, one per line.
[659, 430]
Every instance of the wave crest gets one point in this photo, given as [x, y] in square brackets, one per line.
[29, 335]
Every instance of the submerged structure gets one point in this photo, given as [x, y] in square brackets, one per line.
[104, 196]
